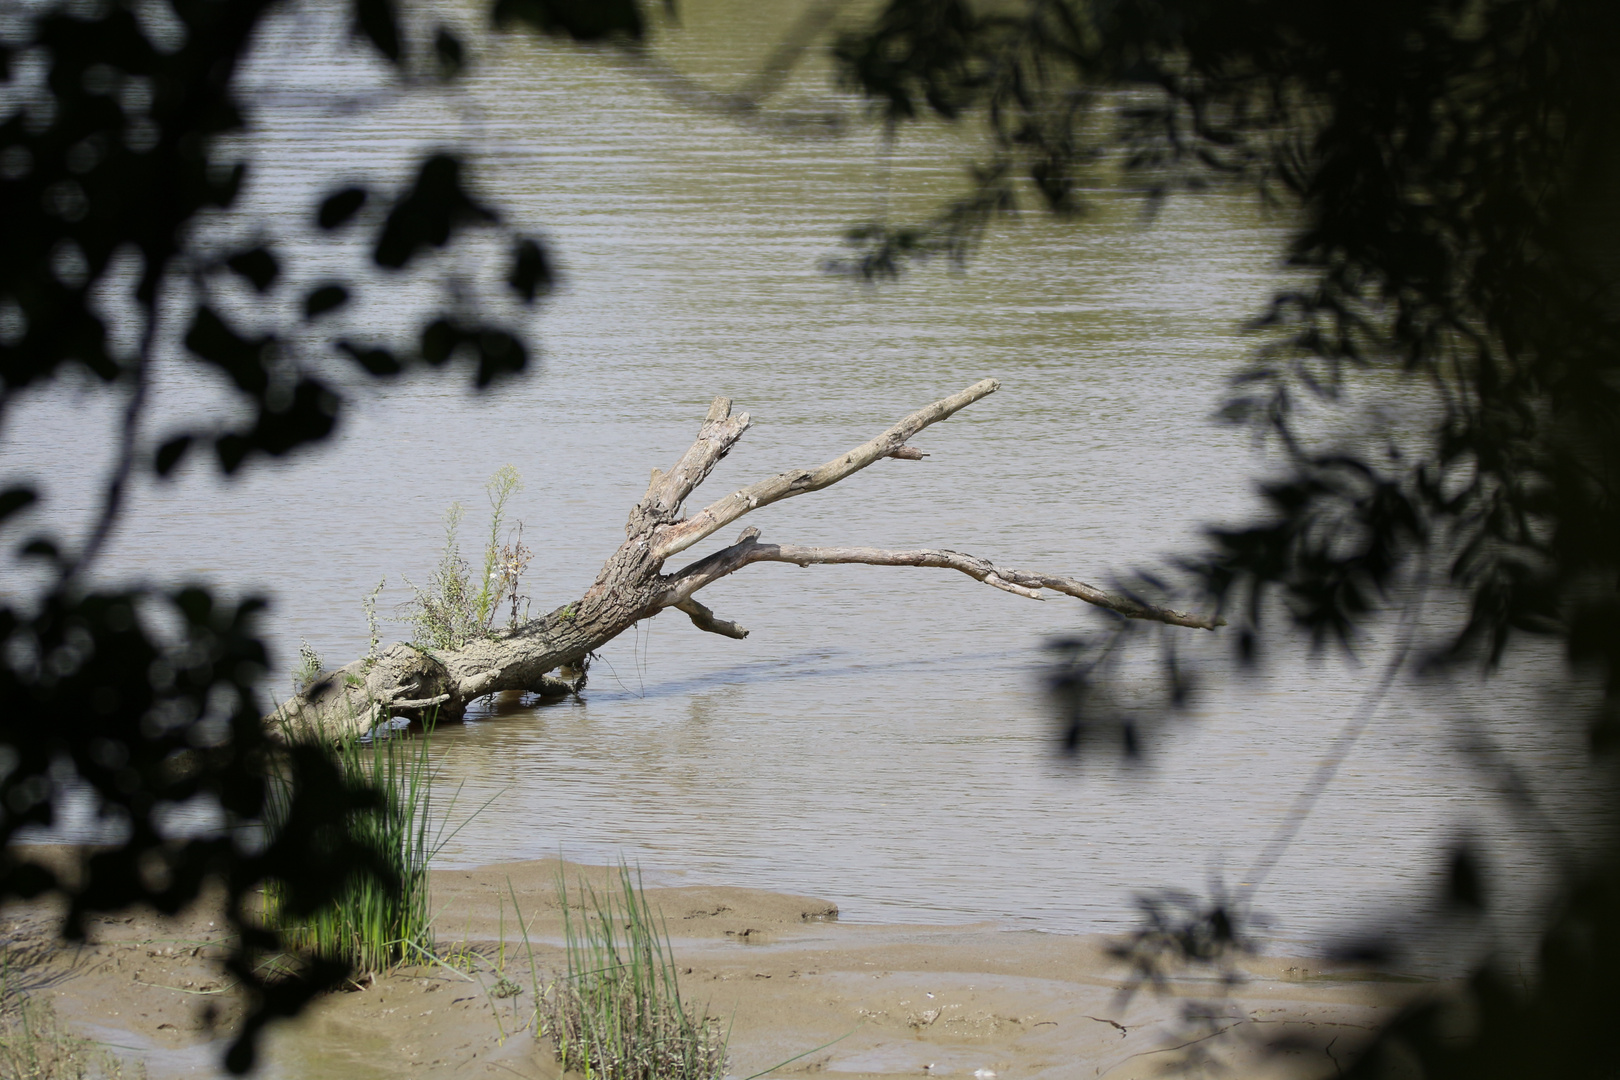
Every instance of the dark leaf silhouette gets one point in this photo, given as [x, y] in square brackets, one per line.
[1467, 885]
[257, 265]
[306, 413]
[450, 53]
[337, 208]
[379, 23]
[243, 359]
[582, 20]
[531, 271]
[170, 454]
[377, 361]
[14, 499]
[324, 299]
[427, 215]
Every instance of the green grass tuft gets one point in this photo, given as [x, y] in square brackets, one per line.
[617, 1014]
[373, 927]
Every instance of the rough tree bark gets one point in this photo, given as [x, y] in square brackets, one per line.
[410, 681]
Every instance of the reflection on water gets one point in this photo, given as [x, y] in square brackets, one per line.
[881, 738]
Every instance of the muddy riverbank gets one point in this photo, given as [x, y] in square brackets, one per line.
[779, 970]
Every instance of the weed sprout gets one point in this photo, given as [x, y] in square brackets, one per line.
[453, 609]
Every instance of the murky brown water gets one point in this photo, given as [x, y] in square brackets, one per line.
[881, 738]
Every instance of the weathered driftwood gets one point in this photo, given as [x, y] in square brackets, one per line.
[548, 654]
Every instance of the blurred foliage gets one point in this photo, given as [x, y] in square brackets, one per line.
[117, 123]
[1448, 171]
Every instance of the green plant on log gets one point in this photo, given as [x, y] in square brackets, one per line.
[454, 608]
[309, 667]
[369, 925]
[497, 581]
[514, 559]
[617, 1013]
[369, 605]
[441, 615]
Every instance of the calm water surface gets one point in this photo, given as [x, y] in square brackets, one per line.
[881, 738]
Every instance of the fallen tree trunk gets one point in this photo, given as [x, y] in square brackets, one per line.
[412, 682]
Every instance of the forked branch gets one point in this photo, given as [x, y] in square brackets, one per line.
[672, 539]
[669, 539]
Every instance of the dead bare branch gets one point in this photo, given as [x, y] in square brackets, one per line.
[748, 551]
[672, 539]
[704, 619]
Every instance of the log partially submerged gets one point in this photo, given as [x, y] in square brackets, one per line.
[410, 681]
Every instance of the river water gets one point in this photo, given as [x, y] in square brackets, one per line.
[881, 738]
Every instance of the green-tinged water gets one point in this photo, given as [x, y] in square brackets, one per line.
[881, 738]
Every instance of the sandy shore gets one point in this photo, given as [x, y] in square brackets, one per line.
[879, 1001]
